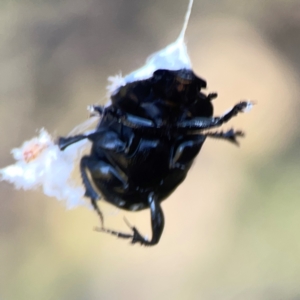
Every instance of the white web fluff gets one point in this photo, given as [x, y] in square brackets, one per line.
[114, 83]
[172, 57]
[40, 162]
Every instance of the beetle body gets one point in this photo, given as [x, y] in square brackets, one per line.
[146, 142]
[143, 158]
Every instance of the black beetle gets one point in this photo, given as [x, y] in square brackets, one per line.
[146, 142]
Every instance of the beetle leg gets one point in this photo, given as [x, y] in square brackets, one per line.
[107, 140]
[187, 148]
[64, 142]
[89, 190]
[195, 124]
[113, 232]
[98, 211]
[132, 121]
[101, 171]
[136, 122]
[157, 225]
[229, 135]
[211, 96]
[206, 123]
[104, 140]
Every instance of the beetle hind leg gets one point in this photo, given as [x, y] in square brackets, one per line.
[136, 236]
[157, 225]
[114, 232]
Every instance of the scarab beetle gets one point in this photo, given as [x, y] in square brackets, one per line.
[146, 142]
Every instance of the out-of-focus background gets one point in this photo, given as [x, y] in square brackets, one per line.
[232, 228]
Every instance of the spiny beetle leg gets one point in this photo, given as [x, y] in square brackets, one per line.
[229, 135]
[197, 124]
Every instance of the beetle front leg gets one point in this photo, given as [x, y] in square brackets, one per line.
[206, 123]
[64, 142]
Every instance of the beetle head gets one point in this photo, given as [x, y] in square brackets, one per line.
[179, 87]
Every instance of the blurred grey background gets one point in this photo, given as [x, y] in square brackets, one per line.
[232, 229]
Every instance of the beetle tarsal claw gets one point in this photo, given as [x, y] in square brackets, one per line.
[136, 237]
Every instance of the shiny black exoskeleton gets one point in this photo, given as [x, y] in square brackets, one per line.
[146, 142]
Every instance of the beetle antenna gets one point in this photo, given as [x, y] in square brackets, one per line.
[186, 21]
